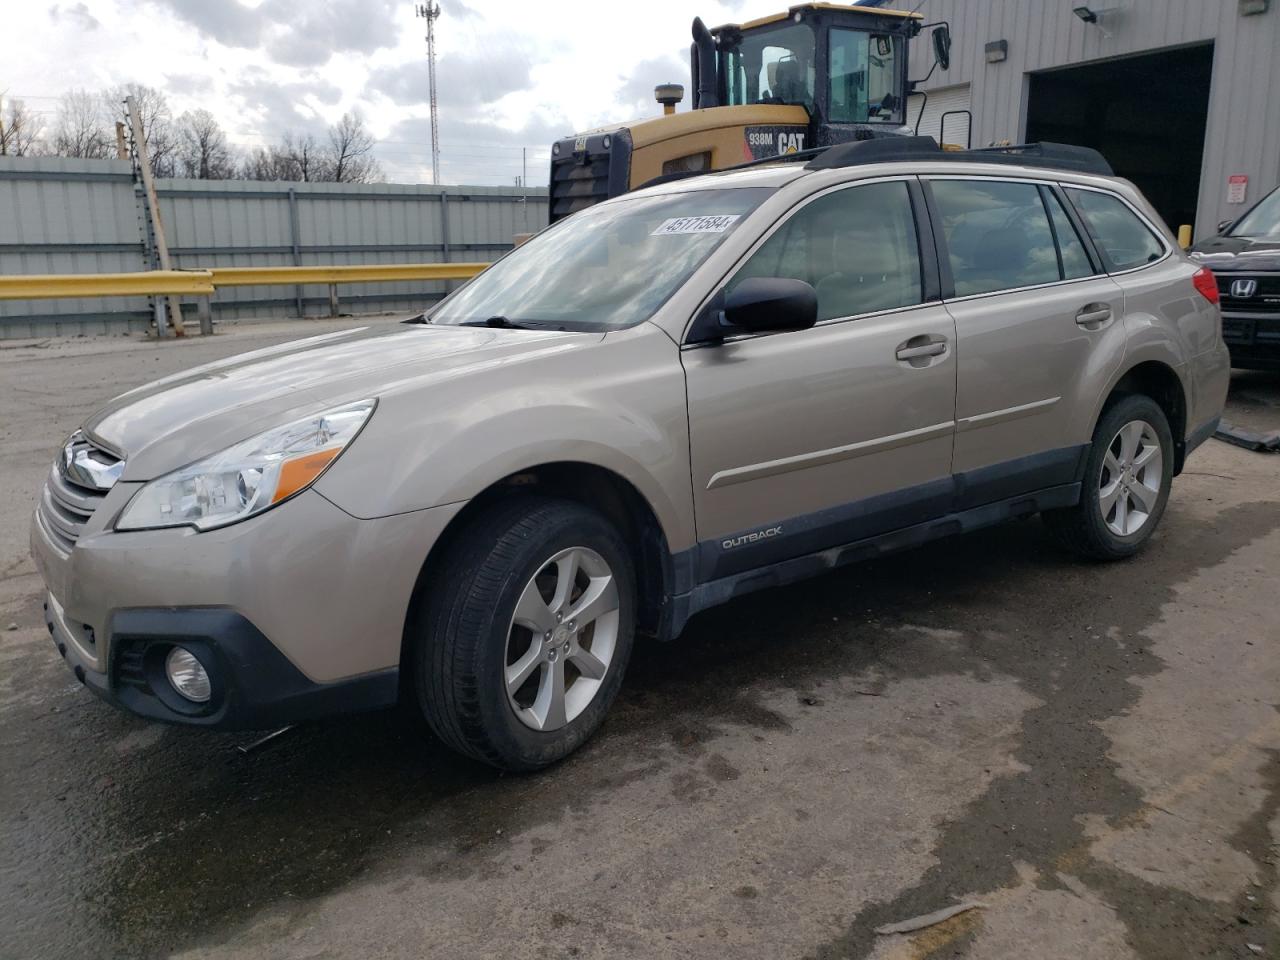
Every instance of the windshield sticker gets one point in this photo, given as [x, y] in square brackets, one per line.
[715, 223]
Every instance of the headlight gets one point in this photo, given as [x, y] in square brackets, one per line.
[248, 478]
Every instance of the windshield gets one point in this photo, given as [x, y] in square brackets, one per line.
[606, 267]
[1262, 221]
[773, 65]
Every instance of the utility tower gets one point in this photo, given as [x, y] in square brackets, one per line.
[429, 11]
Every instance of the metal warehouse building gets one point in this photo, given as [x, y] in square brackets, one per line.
[1182, 96]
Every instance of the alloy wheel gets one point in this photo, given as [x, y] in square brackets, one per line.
[561, 639]
[1131, 477]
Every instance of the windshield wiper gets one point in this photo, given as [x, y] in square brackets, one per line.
[506, 323]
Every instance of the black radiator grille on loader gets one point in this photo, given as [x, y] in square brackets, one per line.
[586, 170]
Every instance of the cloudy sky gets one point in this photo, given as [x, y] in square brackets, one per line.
[510, 74]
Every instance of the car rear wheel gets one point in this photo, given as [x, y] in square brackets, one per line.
[1126, 483]
[522, 642]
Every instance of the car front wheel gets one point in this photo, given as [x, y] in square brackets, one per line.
[523, 640]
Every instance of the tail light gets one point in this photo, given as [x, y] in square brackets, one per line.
[1206, 283]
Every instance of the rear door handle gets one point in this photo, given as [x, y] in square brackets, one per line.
[921, 347]
[1093, 316]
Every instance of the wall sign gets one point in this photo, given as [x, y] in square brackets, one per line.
[1237, 184]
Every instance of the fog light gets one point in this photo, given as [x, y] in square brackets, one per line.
[187, 675]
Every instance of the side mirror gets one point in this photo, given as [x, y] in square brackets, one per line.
[1223, 224]
[942, 46]
[764, 304]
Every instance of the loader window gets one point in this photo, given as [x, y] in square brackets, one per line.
[864, 77]
[771, 65]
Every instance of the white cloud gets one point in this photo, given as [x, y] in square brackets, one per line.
[510, 74]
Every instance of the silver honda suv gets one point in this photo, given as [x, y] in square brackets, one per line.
[706, 387]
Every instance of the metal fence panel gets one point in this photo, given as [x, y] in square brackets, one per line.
[68, 216]
[84, 216]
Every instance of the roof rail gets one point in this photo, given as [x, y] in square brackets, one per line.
[1059, 156]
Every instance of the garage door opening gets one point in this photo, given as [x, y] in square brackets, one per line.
[1147, 115]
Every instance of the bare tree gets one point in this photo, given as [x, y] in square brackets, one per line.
[267, 163]
[350, 155]
[202, 151]
[346, 158]
[157, 123]
[20, 130]
[298, 157]
[80, 128]
[305, 158]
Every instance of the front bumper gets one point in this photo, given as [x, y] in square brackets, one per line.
[253, 685]
[295, 613]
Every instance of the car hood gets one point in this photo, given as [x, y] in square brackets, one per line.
[171, 422]
[1238, 254]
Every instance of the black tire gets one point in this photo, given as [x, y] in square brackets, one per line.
[459, 641]
[1083, 528]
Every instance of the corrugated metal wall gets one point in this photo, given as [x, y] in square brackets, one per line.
[75, 216]
[1243, 135]
[69, 216]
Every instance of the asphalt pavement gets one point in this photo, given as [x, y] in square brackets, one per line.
[1090, 752]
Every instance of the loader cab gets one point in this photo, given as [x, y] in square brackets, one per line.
[847, 66]
[816, 75]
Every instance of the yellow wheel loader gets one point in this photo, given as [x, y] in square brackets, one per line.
[816, 75]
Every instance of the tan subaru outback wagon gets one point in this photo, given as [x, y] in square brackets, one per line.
[709, 386]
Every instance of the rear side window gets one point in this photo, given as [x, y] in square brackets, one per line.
[1075, 260]
[997, 235]
[856, 247]
[1125, 241]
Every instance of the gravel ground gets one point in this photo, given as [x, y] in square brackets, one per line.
[1090, 751]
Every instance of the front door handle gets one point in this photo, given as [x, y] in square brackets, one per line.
[1093, 316]
[922, 347]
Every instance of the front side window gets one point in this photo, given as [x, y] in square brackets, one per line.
[606, 267]
[864, 72]
[997, 235]
[1125, 241]
[772, 65]
[856, 247]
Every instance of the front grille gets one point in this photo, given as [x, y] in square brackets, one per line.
[586, 170]
[68, 499]
[1265, 299]
[576, 186]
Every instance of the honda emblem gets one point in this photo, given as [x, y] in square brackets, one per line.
[1243, 289]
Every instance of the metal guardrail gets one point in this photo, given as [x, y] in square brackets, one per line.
[359, 273]
[153, 283]
[204, 283]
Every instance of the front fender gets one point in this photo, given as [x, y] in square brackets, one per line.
[618, 404]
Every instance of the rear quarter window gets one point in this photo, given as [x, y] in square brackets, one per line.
[1119, 233]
